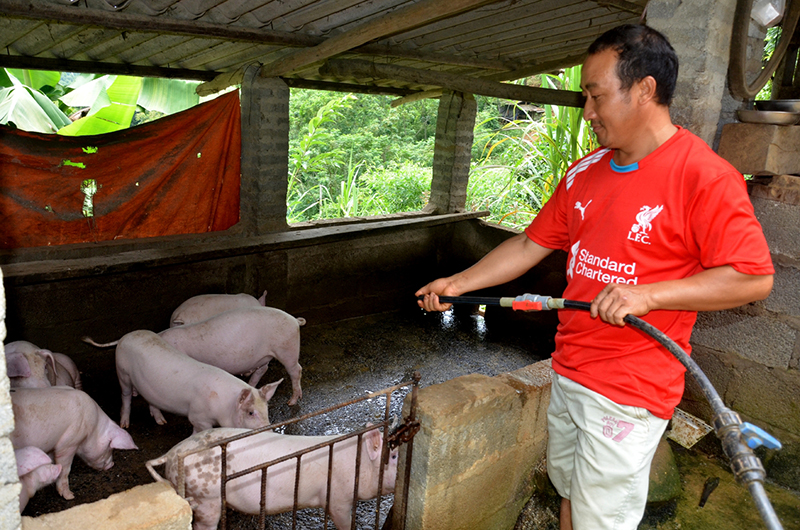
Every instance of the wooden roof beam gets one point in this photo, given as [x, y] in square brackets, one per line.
[422, 12]
[471, 85]
[97, 67]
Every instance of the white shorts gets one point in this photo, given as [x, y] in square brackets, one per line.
[599, 454]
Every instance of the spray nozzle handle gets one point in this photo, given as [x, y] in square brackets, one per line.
[755, 436]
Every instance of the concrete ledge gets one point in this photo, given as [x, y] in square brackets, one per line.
[474, 458]
[151, 507]
[758, 149]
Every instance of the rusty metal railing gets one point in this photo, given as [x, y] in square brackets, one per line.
[402, 434]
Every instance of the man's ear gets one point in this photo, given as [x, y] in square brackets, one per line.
[647, 90]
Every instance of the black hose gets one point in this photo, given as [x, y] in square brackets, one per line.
[691, 366]
[745, 464]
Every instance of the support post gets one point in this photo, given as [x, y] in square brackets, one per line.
[700, 32]
[452, 152]
[265, 153]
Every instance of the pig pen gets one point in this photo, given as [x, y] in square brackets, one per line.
[341, 361]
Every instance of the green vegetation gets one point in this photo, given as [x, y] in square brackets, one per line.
[356, 156]
[48, 102]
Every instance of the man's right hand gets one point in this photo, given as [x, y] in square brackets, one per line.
[432, 291]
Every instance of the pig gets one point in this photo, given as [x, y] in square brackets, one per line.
[205, 306]
[170, 380]
[35, 471]
[244, 494]
[29, 366]
[241, 341]
[63, 422]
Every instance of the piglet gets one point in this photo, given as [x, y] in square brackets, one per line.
[170, 380]
[35, 471]
[64, 422]
[29, 366]
[204, 306]
[203, 471]
[241, 341]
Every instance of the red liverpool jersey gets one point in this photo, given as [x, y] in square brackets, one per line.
[680, 210]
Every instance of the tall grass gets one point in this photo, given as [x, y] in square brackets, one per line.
[524, 159]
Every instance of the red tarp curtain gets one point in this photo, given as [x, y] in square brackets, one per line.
[177, 175]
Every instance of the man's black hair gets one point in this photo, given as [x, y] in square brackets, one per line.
[642, 52]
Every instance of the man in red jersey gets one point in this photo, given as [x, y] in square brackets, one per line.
[655, 225]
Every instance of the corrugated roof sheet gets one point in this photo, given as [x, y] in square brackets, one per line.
[499, 40]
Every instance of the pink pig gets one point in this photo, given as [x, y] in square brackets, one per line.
[64, 422]
[205, 306]
[244, 494]
[241, 341]
[29, 366]
[35, 471]
[170, 380]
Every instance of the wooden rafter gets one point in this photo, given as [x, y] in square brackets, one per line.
[471, 85]
[422, 12]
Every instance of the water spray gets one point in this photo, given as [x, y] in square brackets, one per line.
[738, 438]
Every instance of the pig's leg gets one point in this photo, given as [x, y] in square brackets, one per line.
[340, 513]
[127, 387]
[199, 424]
[258, 374]
[294, 373]
[64, 458]
[156, 414]
[206, 514]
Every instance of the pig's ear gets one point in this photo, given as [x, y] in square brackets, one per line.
[50, 364]
[17, 365]
[245, 398]
[263, 299]
[268, 390]
[29, 458]
[120, 439]
[374, 442]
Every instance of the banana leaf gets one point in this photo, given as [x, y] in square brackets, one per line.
[92, 94]
[168, 95]
[36, 78]
[29, 110]
[5, 80]
[122, 94]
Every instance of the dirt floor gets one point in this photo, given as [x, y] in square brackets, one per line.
[341, 361]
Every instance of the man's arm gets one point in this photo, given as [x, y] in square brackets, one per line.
[710, 290]
[509, 260]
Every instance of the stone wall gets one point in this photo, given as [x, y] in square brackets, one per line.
[752, 354]
[475, 458]
[9, 482]
[700, 32]
[163, 510]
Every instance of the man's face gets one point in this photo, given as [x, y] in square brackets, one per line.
[608, 108]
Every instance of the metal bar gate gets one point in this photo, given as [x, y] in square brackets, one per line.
[400, 435]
